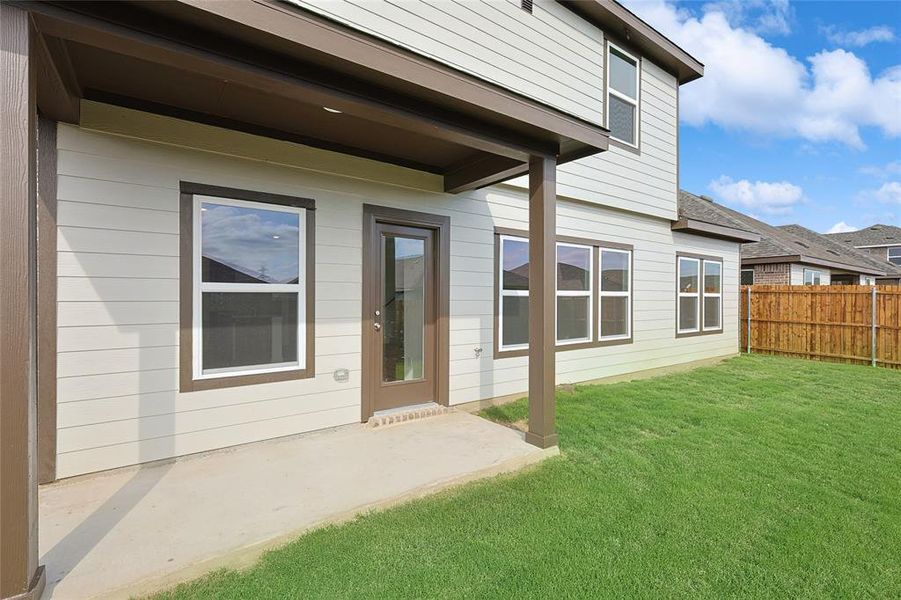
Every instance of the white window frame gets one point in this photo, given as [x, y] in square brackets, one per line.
[751, 271]
[575, 294]
[897, 255]
[507, 293]
[613, 294]
[633, 101]
[815, 273]
[199, 286]
[705, 295]
[696, 295]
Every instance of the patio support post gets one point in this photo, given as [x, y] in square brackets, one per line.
[542, 300]
[20, 575]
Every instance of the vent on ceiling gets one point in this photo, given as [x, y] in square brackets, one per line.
[833, 252]
[802, 244]
[526, 5]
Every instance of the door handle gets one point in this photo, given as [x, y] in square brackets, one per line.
[375, 323]
[378, 326]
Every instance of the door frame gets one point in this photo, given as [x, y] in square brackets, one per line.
[440, 226]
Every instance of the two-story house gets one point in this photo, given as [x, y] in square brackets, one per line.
[225, 222]
[882, 242]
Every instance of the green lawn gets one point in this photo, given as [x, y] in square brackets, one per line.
[761, 477]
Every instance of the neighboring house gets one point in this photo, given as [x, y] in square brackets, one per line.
[518, 161]
[787, 255]
[882, 242]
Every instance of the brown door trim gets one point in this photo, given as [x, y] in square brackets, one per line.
[440, 225]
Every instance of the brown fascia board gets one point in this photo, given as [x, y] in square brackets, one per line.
[714, 231]
[615, 19]
[809, 260]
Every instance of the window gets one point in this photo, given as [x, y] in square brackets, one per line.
[615, 294]
[588, 313]
[747, 276]
[813, 277]
[713, 296]
[699, 302]
[575, 283]
[894, 255]
[622, 95]
[249, 283]
[513, 317]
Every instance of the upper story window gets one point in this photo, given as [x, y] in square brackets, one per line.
[699, 306]
[250, 286]
[894, 255]
[622, 95]
[593, 289]
[747, 276]
[813, 277]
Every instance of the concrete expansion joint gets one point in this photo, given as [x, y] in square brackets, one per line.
[409, 415]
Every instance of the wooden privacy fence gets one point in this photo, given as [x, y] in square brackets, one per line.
[840, 323]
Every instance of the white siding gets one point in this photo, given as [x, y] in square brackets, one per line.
[551, 55]
[118, 293]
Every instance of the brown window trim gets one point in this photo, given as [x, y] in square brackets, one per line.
[636, 149]
[701, 258]
[187, 383]
[596, 246]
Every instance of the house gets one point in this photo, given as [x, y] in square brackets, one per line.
[266, 218]
[882, 242]
[786, 255]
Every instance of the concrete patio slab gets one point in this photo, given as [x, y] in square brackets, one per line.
[137, 530]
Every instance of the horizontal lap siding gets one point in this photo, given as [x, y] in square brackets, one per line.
[118, 298]
[551, 55]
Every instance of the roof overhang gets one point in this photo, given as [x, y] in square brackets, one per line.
[721, 232]
[270, 69]
[809, 260]
[616, 20]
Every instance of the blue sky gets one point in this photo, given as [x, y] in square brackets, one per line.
[798, 117]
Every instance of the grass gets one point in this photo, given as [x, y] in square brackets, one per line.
[760, 477]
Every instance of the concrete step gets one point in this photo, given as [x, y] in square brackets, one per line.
[405, 414]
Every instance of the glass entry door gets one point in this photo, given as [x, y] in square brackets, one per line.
[403, 318]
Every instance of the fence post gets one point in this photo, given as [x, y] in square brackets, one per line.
[873, 328]
[749, 319]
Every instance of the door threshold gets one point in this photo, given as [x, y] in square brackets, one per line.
[411, 412]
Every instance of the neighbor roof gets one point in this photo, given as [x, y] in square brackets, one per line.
[843, 249]
[874, 235]
[776, 244]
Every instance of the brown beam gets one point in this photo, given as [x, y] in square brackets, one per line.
[58, 91]
[20, 574]
[542, 300]
[482, 171]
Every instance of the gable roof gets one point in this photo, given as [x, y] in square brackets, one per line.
[874, 235]
[777, 244]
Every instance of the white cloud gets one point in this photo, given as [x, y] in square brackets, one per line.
[773, 198]
[888, 193]
[761, 16]
[859, 38]
[842, 227]
[883, 171]
[752, 85]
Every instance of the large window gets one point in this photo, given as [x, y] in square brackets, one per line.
[813, 277]
[593, 291]
[249, 288]
[894, 255]
[699, 302]
[622, 95]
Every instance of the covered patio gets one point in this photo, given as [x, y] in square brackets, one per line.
[138, 530]
[263, 68]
